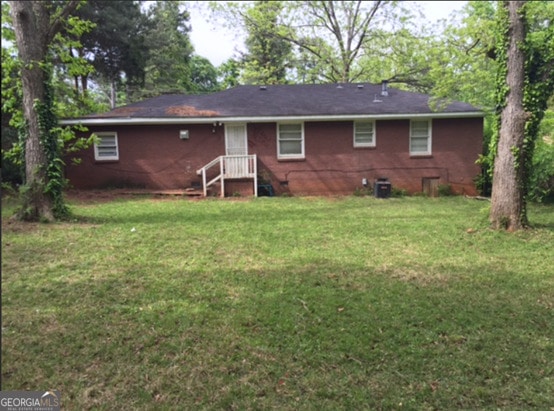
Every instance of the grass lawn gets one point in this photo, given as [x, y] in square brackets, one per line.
[281, 303]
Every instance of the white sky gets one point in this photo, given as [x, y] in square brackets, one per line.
[218, 44]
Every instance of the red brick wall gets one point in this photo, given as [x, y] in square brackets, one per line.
[333, 166]
[154, 157]
[150, 157]
[241, 188]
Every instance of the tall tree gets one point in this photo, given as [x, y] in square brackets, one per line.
[332, 32]
[445, 60]
[168, 66]
[336, 33]
[116, 47]
[268, 53]
[402, 57]
[72, 70]
[36, 23]
[465, 70]
[228, 74]
[526, 82]
[203, 77]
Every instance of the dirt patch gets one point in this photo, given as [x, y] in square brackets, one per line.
[95, 196]
[102, 196]
[12, 225]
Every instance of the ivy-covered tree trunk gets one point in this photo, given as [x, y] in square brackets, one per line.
[508, 208]
[30, 31]
[35, 24]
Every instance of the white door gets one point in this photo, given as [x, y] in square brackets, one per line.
[236, 143]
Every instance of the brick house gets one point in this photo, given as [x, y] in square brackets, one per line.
[323, 139]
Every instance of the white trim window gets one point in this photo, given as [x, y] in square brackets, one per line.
[420, 137]
[290, 140]
[364, 134]
[106, 149]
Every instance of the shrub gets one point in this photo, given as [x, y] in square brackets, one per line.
[445, 190]
[398, 192]
[362, 192]
[542, 174]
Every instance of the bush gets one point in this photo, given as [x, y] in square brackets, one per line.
[445, 190]
[542, 173]
[362, 192]
[398, 192]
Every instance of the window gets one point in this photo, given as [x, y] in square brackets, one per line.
[420, 137]
[106, 147]
[364, 134]
[290, 141]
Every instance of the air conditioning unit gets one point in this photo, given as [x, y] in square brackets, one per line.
[382, 188]
[184, 134]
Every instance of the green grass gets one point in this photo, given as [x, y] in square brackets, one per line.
[281, 303]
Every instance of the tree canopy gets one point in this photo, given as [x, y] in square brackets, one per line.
[168, 65]
[326, 36]
[116, 46]
[269, 54]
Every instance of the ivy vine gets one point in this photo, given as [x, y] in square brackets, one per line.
[538, 48]
[52, 144]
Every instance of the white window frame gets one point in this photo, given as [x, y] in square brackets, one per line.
[300, 155]
[359, 133]
[428, 151]
[98, 156]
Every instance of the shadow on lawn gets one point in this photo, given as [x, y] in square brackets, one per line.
[306, 333]
[147, 322]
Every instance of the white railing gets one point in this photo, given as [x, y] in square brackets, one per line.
[238, 166]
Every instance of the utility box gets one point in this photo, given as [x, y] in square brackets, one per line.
[382, 188]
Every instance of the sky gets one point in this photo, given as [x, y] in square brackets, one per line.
[218, 44]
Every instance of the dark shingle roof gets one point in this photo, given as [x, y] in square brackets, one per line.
[307, 100]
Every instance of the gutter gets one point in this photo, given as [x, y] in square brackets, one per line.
[263, 119]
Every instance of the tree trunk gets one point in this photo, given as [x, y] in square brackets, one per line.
[30, 33]
[34, 31]
[112, 94]
[508, 209]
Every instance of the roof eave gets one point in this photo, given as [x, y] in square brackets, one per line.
[259, 119]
